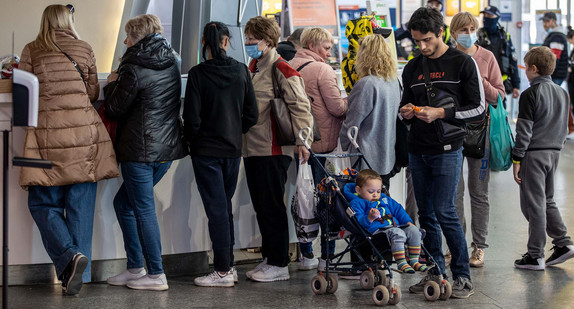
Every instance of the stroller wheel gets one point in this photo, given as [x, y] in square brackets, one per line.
[333, 284]
[447, 290]
[319, 285]
[381, 278]
[380, 295]
[367, 280]
[395, 295]
[431, 290]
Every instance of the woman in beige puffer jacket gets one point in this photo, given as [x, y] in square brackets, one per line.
[71, 135]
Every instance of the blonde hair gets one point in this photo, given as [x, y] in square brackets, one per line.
[462, 19]
[55, 17]
[315, 36]
[543, 58]
[140, 26]
[263, 28]
[375, 58]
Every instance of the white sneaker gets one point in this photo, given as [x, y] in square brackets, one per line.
[308, 264]
[215, 279]
[233, 272]
[126, 276]
[148, 283]
[256, 269]
[269, 273]
[322, 265]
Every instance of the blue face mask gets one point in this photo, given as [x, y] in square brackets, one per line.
[466, 40]
[253, 51]
[490, 24]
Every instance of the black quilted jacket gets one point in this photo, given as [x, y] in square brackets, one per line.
[145, 100]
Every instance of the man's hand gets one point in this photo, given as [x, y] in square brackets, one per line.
[407, 111]
[429, 114]
[374, 214]
[515, 93]
[303, 153]
[516, 170]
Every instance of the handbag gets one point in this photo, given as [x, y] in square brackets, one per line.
[475, 140]
[447, 132]
[282, 115]
[111, 125]
[501, 139]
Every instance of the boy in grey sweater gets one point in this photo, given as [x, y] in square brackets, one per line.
[541, 130]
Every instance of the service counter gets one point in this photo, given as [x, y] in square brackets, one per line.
[179, 209]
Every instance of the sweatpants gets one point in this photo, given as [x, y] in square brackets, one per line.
[266, 178]
[478, 179]
[537, 170]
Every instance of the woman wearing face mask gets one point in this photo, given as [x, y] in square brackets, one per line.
[266, 162]
[463, 28]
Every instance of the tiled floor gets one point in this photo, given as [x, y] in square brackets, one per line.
[498, 284]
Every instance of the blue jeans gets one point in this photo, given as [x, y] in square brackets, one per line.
[135, 209]
[435, 180]
[65, 217]
[216, 182]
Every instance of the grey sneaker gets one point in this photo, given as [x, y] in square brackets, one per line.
[256, 269]
[462, 288]
[419, 287]
[148, 283]
[126, 276]
[215, 279]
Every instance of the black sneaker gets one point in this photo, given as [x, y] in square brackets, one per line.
[462, 288]
[560, 255]
[72, 276]
[527, 262]
[419, 287]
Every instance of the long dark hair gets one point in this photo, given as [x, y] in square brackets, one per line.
[213, 34]
[570, 32]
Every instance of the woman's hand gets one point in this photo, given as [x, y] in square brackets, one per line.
[113, 76]
[303, 153]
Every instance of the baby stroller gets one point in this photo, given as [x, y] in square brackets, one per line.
[338, 221]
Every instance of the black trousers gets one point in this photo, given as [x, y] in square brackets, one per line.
[266, 178]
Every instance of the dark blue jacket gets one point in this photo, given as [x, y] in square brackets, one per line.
[385, 205]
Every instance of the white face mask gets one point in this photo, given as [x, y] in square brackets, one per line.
[466, 40]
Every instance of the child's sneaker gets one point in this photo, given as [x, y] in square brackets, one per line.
[308, 262]
[527, 262]
[476, 257]
[126, 276]
[269, 273]
[560, 255]
[215, 279]
[149, 282]
[462, 288]
[72, 275]
[256, 269]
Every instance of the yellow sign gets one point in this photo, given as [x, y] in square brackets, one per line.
[270, 7]
[471, 6]
[452, 7]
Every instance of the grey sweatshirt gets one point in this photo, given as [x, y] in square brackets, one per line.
[373, 108]
[542, 118]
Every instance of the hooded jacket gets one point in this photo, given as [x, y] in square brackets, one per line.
[69, 133]
[145, 99]
[219, 106]
[386, 206]
[557, 42]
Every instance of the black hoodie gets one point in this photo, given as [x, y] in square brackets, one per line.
[219, 106]
[146, 100]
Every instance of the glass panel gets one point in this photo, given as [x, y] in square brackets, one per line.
[163, 9]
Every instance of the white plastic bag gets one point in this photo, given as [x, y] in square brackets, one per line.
[304, 204]
[336, 166]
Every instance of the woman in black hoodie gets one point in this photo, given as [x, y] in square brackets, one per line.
[219, 106]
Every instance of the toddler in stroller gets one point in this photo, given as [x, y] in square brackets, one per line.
[379, 213]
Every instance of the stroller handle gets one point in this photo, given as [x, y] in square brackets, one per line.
[307, 138]
[352, 134]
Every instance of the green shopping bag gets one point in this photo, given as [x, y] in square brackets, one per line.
[501, 138]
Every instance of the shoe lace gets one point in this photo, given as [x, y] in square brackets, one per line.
[214, 275]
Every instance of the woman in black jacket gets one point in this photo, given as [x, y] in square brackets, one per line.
[144, 96]
[219, 106]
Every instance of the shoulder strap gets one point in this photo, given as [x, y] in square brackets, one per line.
[73, 62]
[426, 74]
[276, 86]
[303, 65]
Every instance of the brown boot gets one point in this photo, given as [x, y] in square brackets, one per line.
[477, 257]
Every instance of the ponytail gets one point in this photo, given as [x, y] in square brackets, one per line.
[570, 32]
[213, 34]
